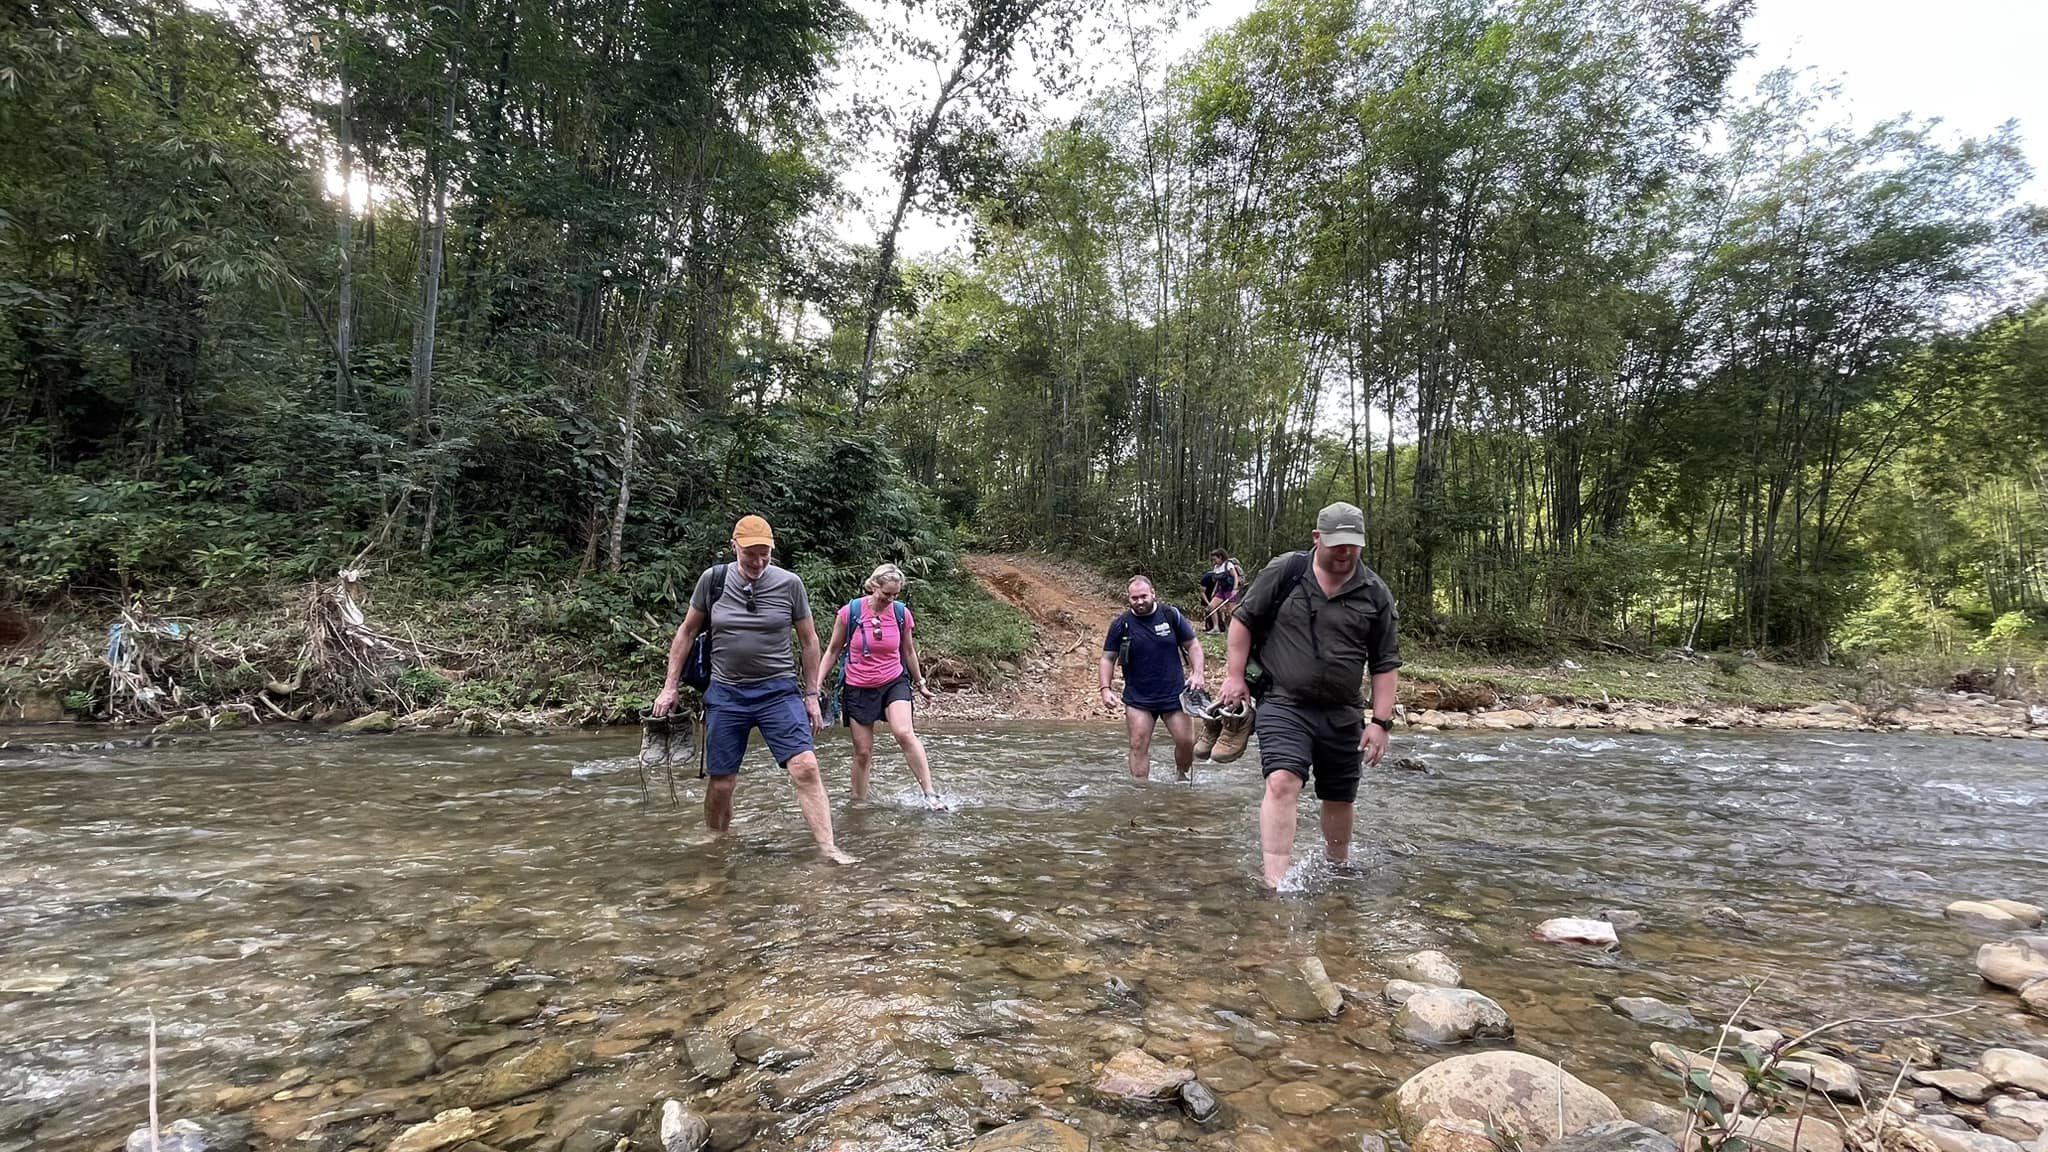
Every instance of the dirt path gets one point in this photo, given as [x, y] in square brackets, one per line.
[1071, 609]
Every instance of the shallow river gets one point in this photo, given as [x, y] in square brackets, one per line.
[334, 934]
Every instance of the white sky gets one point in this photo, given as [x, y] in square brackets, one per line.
[1972, 64]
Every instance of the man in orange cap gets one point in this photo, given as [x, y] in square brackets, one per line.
[750, 605]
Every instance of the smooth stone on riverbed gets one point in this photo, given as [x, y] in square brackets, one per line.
[1573, 930]
[445, 1129]
[760, 1048]
[1033, 1136]
[213, 1134]
[514, 1074]
[1451, 1016]
[1430, 968]
[1134, 1075]
[709, 1055]
[2035, 996]
[1961, 1139]
[1960, 1083]
[2012, 1068]
[1615, 1136]
[1398, 992]
[1200, 1103]
[1726, 1085]
[1302, 991]
[1823, 1073]
[1519, 1094]
[2032, 1113]
[1983, 914]
[1302, 1099]
[2029, 915]
[2012, 964]
[1654, 1012]
[681, 1129]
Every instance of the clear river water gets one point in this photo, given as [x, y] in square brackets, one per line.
[335, 934]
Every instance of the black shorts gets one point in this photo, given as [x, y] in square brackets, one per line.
[1313, 743]
[866, 705]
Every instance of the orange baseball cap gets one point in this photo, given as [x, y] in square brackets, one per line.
[752, 530]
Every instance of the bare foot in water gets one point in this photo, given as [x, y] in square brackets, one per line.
[838, 857]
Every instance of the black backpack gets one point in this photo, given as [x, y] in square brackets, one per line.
[1123, 644]
[697, 665]
[1260, 626]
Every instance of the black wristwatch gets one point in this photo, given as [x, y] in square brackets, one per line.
[1383, 722]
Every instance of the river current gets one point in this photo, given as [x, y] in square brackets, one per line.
[316, 922]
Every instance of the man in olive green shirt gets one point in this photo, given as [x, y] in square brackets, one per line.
[1318, 623]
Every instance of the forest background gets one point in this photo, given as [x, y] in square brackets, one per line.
[517, 304]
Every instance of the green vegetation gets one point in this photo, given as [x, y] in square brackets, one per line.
[515, 306]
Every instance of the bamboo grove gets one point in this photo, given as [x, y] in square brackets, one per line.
[527, 289]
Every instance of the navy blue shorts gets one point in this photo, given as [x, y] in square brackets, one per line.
[733, 711]
[1160, 709]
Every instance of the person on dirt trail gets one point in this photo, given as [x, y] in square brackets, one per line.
[1149, 641]
[1316, 623]
[876, 634]
[750, 605]
[1222, 584]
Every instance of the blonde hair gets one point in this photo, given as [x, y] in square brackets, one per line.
[885, 573]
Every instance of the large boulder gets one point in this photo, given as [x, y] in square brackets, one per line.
[2012, 964]
[1302, 991]
[1133, 1075]
[1522, 1095]
[2012, 1068]
[1033, 1136]
[1451, 1016]
[1430, 968]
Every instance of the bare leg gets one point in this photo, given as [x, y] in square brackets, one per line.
[1182, 727]
[1276, 824]
[718, 801]
[913, 748]
[863, 756]
[810, 796]
[1138, 723]
[1337, 819]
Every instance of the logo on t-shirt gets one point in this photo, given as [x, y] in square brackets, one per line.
[1163, 629]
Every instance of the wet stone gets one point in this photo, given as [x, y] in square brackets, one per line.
[1655, 1013]
[731, 1131]
[1231, 1074]
[1451, 1016]
[1429, 968]
[681, 1129]
[2012, 1068]
[709, 1055]
[396, 1059]
[212, 1134]
[2009, 1129]
[1398, 992]
[1302, 991]
[1201, 1104]
[759, 1048]
[508, 1006]
[1033, 1136]
[1135, 1077]
[470, 1051]
[604, 1131]
[512, 1075]
[1614, 1136]
[1302, 1099]
[815, 1083]
[445, 1130]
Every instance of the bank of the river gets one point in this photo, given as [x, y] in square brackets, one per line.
[1009, 637]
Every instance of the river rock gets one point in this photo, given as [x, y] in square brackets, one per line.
[1722, 916]
[1431, 968]
[1201, 1104]
[2012, 1068]
[1655, 1114]
[2035, 996]
[1302, 1098]
[1654, 1012]
[1807, 1135]
[1979, 914]
[1519, 1093]
[1574, 930]
[1726, 1085]
[2010, 1129]
[709, 1055]
[815, 1083]
[681, 1129]
[508, 1006]
[732, 1131]
[2032, 1113]
[1302, 991]
[445, 1129]
[1960, 1083]
[1615, 1136]
[1910, 1050]
[1397, 992]
[1134, 1075]
[1761, 1039]
[1451, 1016]
[760, 1048]
[604, 1131]
[391, 1058]
[514, 1074]
[211, 1134]
[1823, 1073]
[34, 983]
[375, 722]
[1033, 1136]
[1453, 1136]
[2029, 915]
[1961, 1140]
[1623, 919]
[1231, 1074]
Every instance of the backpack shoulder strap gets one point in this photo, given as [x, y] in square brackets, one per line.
[717, 593]
[1290, 576]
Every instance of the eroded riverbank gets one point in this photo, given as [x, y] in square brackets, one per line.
[342, 937]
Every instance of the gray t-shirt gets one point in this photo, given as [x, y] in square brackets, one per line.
[750, 624]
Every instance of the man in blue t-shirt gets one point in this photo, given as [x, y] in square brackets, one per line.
[1148, 641]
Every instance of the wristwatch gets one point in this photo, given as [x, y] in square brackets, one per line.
[1383, 722]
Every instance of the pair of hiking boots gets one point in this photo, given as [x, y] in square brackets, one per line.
[1226, 733]
[666, 740]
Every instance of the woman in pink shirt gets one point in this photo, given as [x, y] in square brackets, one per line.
[875, 632]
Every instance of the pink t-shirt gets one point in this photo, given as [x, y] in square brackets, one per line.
[874, 648]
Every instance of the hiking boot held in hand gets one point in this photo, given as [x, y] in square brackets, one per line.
[1211, 729]
[1235, 737]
